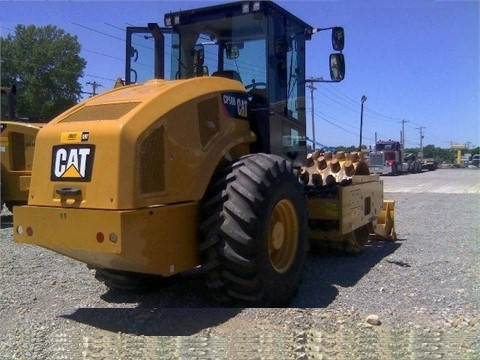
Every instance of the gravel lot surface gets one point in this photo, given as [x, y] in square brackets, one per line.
[417, 298]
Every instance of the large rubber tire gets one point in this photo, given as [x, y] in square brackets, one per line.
[254, 232]
[131, 282]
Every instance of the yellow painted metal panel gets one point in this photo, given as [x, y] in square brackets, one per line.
[157, 240]
[60, 227]
[17, 144]
[116, 149]
[24, 182]
[355, 205]
[323, 208]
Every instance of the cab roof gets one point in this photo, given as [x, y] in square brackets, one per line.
[233, 9]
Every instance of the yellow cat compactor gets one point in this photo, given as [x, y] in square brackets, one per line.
[17, 144]
[207, 169]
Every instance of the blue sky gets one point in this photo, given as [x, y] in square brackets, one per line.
[415, 60]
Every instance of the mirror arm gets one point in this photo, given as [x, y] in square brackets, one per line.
[315, 30]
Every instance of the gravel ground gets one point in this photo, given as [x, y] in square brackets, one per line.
[417, 298]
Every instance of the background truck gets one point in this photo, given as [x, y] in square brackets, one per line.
[429, 164]
[389, 158]
[475, 160]
[207, 170]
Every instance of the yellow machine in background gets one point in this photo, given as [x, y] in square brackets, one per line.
[17, 144]
[459, 148]
[208, 169]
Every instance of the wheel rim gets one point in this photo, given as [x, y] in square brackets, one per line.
[283, 236]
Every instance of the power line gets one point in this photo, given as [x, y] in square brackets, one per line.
[99, 32]
[98, 77]
[102, 54]
[116, 27]
[312, 88]
[335, 100]
[335, 124]
[367, 109]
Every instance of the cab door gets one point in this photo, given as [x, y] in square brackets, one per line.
[145, 52]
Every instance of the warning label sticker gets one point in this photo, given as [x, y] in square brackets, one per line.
[74, 137]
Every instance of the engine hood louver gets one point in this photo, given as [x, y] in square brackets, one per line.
[101, 112]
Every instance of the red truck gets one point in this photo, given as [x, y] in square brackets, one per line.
[389, 158]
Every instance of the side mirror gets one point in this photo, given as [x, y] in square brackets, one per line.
[338, 38]
[233, 51]
[337, 67]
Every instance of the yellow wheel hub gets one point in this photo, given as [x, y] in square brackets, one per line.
[283, 236]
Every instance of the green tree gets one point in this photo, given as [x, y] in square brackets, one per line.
[351, 148]
[436, 153]
[45, 65]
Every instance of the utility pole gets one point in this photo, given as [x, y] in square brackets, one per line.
[312, 88]
[402, 139]
[422, 135]
[94, 85]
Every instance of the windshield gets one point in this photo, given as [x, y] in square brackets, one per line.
[387, 146]
[231, 44]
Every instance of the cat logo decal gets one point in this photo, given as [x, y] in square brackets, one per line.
[72, 162]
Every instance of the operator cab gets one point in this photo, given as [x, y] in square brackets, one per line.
[257, 43]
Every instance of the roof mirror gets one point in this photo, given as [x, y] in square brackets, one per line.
[337, 67]
[338, 38]
[233, 51]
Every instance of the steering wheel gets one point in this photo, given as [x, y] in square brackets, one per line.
[251, 90]
[254, 85]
